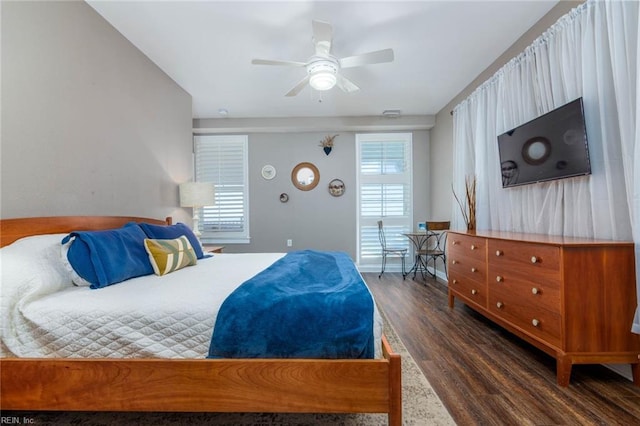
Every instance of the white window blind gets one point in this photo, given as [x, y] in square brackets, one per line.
[385, 188]
[223, 160]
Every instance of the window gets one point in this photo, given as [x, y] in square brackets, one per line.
[385, 188]
[223, 160]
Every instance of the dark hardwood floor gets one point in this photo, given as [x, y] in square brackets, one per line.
[484, 375]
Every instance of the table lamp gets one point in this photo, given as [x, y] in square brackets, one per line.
[196, 195]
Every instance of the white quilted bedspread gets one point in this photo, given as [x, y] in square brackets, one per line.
[172, 316]
[45, 315]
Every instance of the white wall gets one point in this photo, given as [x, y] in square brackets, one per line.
[89, 124]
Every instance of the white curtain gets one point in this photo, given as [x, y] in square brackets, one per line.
[593, 53]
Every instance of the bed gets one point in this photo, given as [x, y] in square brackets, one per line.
[288, 385]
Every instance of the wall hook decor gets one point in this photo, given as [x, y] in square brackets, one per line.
[327, 143]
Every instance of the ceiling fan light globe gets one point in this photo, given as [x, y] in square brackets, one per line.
[323, 80]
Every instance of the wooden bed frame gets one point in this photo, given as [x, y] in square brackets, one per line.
[192, 385]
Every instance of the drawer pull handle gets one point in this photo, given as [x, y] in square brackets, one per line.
[534, 259]
[473, 269]
[474, 291]
[535, 291]
[455, 243]
[454, 261]
[498, 253]
[499, 279]
[473, 247]
[455, 281]
[499, 305]
[535, 322]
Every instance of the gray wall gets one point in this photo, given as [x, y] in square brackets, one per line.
[89, 124]
[442, 134]
[312, 219]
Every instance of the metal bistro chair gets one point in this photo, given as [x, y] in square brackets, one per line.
[402, 252]
[435, 245]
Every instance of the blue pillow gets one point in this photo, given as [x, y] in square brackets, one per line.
[110, 256]
[170, 232]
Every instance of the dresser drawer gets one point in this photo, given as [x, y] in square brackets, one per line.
[466, 245]
[533, 262]
[535, 320]
[534, 293]
[469, 267]
[471, 290]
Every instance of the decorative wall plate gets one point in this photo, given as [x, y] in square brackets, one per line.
[336, 187]
[284, 197]
[268, 172]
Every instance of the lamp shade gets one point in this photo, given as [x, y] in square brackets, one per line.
[197, 194]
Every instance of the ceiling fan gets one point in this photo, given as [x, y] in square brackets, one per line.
[323, 69]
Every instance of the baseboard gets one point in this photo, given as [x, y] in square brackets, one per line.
[440, 275]
[622, 369]
[376, 268]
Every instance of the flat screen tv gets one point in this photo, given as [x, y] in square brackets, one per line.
[552, 146]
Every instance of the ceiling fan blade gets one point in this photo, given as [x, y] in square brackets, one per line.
[298, 87]
[377, 57]
[277, 62]
[322, 36]
[346, 84]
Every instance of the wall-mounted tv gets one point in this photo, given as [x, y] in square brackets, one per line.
[552, 146]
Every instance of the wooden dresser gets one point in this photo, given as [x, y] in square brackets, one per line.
[574, 298]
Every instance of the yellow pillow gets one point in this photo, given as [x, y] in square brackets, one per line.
[170, 255]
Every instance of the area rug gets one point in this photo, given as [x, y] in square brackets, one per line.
[420, 406]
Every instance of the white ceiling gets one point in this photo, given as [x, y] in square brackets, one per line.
[207, 48]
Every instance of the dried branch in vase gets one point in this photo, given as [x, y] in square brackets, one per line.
[468, 209]
[327, 142]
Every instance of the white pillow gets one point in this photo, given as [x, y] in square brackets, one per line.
[36, 257]
[34, 260]
[30, 268]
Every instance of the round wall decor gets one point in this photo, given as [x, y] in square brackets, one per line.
[305, 176]
[336, 187]
[268, 172]
[284, 197]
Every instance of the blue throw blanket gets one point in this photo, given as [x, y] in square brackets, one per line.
[308, 304]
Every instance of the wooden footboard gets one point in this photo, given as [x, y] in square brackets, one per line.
[220, 385]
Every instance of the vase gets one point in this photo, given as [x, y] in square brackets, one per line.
[327, 150]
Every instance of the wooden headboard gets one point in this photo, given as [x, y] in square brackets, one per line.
[14, 229]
